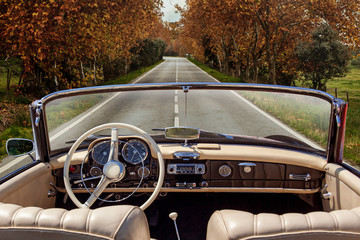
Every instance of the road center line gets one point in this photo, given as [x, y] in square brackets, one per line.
[176, 109]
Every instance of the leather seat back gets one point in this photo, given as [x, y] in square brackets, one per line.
[114, 222]
[336, 225]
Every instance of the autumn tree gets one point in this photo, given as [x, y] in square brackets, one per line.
[255, 39]
[323, 58]
[57, 40]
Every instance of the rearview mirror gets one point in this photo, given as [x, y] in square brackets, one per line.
[182, 133]
[19, 146]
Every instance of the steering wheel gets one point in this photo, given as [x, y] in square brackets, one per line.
[113, 170]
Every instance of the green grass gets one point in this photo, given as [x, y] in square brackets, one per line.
[218, 75]
[305, 114]
[13, 132]
[351, 85]
[61, 111]
[131, 76]
[57, 114]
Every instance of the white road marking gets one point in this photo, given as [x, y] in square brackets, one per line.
[83, 117]
[176, 109]
[274, 120]
[176, 121]
[98, 106]
[280, 124]
[147, 73]
[13, 162]
[176, 98]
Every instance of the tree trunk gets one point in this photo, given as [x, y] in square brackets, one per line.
[82, 70]
[270, 60]
[8, 81]
[8, 76]
[95, 82]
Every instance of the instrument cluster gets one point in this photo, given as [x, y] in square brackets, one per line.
[133, 151]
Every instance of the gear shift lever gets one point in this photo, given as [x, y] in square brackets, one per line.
[173, 217]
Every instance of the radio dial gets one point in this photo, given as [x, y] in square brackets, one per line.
[225, 170]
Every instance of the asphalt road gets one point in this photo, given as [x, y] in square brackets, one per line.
[216, 111]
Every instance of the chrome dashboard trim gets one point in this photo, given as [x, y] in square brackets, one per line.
[206, 190]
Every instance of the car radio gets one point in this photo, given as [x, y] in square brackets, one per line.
[186, 168]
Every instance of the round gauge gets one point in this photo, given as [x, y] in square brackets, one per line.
[135, 151]
[143, 172]
[95, 171]
[100, 153]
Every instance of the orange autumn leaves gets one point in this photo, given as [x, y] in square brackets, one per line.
[58, 36]
[255, 39]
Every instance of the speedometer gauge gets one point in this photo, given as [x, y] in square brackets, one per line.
[135, 151]
[100, 152]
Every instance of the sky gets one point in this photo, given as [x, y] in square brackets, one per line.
[169, 10]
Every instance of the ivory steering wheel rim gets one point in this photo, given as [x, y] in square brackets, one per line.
[142, 133]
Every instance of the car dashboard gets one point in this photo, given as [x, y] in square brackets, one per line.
[195, 168]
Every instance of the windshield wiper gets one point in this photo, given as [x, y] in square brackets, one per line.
[88, 139]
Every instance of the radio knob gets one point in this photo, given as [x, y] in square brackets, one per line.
[204, 184]
[225, 170]
[167, 185]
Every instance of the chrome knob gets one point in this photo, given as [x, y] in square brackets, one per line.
[225, 170]
[173, 216]
[204, 184]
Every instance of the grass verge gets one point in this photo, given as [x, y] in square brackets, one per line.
[16, 118]
[132, 75]
[218, 75]
[351, 85]
[305, 114]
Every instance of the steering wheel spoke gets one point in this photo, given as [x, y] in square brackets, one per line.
[113, 170]
[114, 146]
[103, 183]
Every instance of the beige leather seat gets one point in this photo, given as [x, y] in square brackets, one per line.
[114, 222]
[232, 224]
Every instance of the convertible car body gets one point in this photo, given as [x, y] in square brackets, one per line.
[234, 161]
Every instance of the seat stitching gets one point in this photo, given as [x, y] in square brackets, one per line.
[63, 219]
[309, 222]
[335, 220]
[88, 221]
[356, 211]
[37, 218]
[283, 226]
[255, 224]
[126, 215]
[14, 216]
[224, 224]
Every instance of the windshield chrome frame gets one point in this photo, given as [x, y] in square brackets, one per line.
[191, 86]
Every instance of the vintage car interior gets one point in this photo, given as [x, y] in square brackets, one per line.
[118, 180]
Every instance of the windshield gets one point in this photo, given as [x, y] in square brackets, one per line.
[264, 117]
